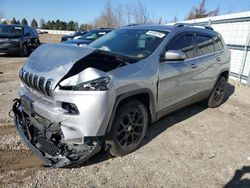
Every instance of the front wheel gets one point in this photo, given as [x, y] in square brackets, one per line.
[24, 52]
[129, 128]
[217, 96]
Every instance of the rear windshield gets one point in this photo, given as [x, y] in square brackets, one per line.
[12, 30]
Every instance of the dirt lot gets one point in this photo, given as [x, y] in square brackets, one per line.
[194, 147]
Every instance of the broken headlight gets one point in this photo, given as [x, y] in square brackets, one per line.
[99, 84]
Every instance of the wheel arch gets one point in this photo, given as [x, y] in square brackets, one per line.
[143, 95]
[225, 74]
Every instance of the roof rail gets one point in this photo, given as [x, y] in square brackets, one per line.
[133, 24]
[106, 28]
[192, 25]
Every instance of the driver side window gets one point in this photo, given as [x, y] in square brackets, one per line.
[185, 44]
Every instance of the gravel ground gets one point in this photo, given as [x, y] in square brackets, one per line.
[193, 147]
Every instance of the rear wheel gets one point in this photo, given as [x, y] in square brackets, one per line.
[129, 128]
[217, 96]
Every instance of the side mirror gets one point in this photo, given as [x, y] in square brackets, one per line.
[173, 55]
[27, 35]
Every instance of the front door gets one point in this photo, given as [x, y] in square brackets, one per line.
[176, 83]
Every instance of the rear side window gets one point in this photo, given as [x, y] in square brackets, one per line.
[205, 45]
[33, 31]
[26, 30]
[217, 44]
[185, 44]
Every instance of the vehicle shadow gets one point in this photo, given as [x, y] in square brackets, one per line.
[9, 55]
[237, 181]
[230, 91]
[163, 124]
[180, 115]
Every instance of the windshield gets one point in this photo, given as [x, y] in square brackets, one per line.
[138, 43]
[92, 35]
[13, 30]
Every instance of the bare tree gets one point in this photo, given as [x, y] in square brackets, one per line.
[119, 13]
[141, 13]
[173, 20]
[128, 13]
[124, 14]
[1, 15]
[108, 17]
[42, 23]
[230, 8]
[160, 21]
[201, 12]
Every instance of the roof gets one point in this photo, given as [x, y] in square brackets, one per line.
[102, 29]
[14, 25]
[177, 27]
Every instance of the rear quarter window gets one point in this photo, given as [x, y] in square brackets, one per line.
[218, 44]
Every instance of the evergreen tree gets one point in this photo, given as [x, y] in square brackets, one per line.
[58, 25]
[64, 25]
[34, 24]
[53, 25]
[49, 25]
[71, 26]
[13, 21]
[24, 22]
[76, 26]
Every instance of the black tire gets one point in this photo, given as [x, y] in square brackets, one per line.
[218, 94]
[128, 128]
[25, 51]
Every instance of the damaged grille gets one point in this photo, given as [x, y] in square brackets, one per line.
[37, 83]
[47, 146]
[3, 42]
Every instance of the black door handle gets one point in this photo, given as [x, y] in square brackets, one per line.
[218, 59]
[193, 66]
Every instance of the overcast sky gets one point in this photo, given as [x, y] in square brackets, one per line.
[85, 11]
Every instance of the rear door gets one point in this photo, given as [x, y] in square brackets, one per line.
[28, 36]
[34, 37]
[176, 83]
[207, 62]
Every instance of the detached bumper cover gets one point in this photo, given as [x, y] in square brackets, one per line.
[58, 155]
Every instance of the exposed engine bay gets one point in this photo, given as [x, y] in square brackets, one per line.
[101, 60]
[48, 142]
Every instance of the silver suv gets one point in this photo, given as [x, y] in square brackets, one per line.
[75, 101]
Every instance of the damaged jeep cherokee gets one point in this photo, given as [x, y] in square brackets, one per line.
[75, 101]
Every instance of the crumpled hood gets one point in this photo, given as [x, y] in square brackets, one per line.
[53, 61]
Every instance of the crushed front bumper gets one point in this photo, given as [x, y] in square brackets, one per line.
[53, 151]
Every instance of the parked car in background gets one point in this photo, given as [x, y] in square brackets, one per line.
[69, 37]
[18, 39]
[41, 32]
[88, 37]
[74, 101]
